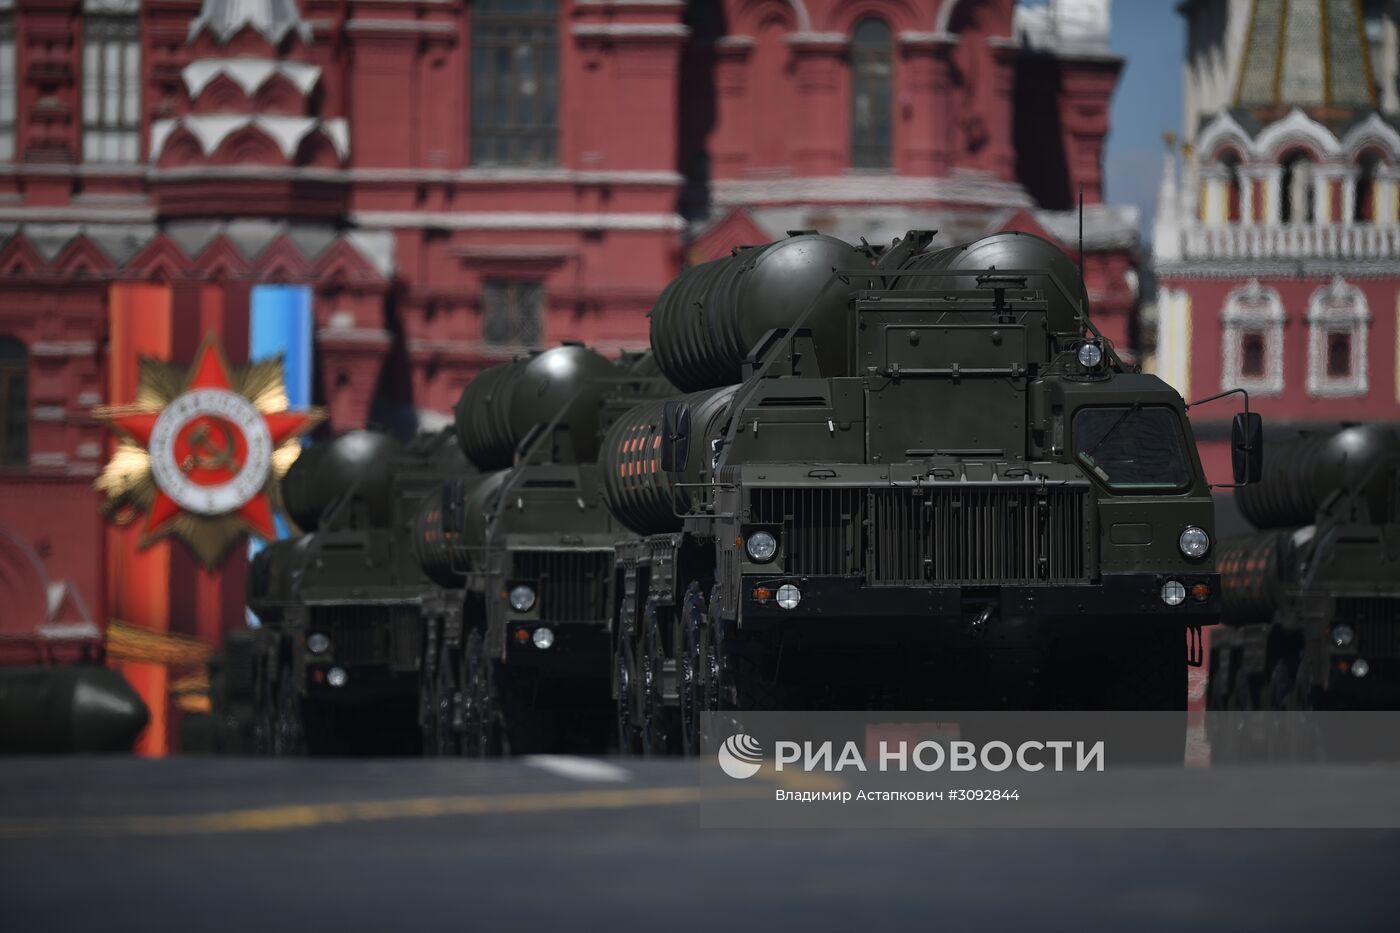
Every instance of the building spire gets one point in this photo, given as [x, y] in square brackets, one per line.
[1306, 53]
[273, 19]
[1166, 227]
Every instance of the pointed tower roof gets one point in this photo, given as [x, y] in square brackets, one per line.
[1306, 53]
[224, 19]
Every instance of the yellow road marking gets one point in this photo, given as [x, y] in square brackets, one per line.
[800, 780]
[306, 816]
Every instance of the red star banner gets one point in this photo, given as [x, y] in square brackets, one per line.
[202, 451]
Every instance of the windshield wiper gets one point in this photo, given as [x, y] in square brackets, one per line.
[1112, 428]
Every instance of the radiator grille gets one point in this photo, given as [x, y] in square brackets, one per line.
[821, 527]
[900, 536]
[371, 634]
[572, 585]
[1376, 620]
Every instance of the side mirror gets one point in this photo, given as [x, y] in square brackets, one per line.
[675, 436]
[453, 517]
[1247, 447]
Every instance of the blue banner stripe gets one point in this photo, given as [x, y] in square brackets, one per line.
[280, 321]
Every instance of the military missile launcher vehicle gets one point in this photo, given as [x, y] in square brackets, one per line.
[1312, 600]
[933, 486]
[524, 665]
[335, 665]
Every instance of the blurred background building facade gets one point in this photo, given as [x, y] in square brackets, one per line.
[395, 194]
[1276, 247]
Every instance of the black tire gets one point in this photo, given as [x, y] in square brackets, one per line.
[690, 623]
[289, 731]
[746, 681]
[624, 677]
[447, 708]
[1219, 735]
[481, 707]
[655, 725]
[264, 709]
[427, 690]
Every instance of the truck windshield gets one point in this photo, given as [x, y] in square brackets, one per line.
[1132, 447]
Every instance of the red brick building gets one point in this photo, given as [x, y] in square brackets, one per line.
[1277, 244]
[444, 182]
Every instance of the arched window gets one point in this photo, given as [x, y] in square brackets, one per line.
[872, 73]
[14, 403]
[1337, 322]
[9, 85]
[1296, 190]
[515, 82]
[1231, 164]
[1364, 203]
[1253, 319]
[112, 87]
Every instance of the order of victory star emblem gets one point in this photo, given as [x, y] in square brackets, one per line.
[201, 452]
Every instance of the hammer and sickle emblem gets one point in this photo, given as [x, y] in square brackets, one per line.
[206, 453]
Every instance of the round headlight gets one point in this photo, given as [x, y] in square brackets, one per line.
[522, 598]
[1194, 542]
[1343, 635]
[543, 637]
[1360, 667]
[1090, 355]
[1173, 593]
[789, 596]
[761, 546]
[317, 643]
[336, 677]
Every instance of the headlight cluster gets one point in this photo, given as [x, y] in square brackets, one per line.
[1194, 542]
[1090, 355]
[1173, 592]
[318, 643]
[522, 598]
[761, 546]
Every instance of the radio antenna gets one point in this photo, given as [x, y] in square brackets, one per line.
[1081, 233]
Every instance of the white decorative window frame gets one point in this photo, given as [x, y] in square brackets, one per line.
[112, 83]
[1253, 309]
[9, 83]
[1337, 308]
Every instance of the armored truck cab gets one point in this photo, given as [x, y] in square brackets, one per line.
[337, 666]
[1312, 600]
[977, 506]
[536, 553]
[537, 601]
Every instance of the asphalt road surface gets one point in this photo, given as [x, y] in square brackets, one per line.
[564, 844]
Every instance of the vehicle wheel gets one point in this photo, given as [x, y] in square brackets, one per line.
[624, 673]
[289, 731]
[480, 709]
[427, 690]
[743, 679]
[1304, 697]
[690, 685]
[447, 708]
[1282, 689]
[1218, 691]
[1155, 688]
[1294, 735]
[710, 666]
[1248, 724]
[264, 711]
[1219, 734]
[653, 722]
